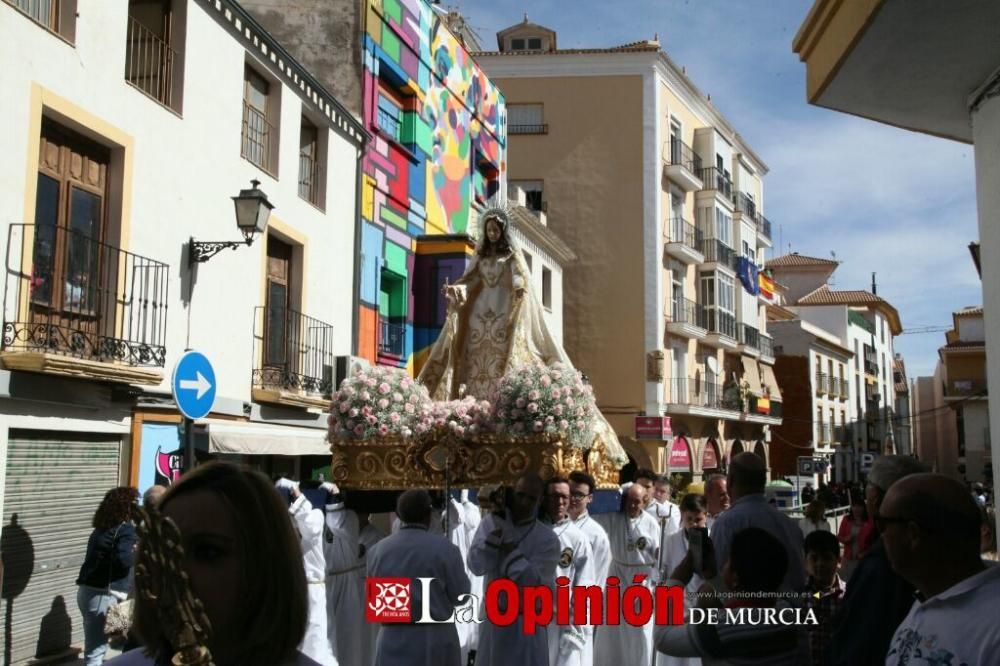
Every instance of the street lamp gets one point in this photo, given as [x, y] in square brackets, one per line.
[252, 212]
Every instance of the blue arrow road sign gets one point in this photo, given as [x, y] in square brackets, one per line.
[193, 385]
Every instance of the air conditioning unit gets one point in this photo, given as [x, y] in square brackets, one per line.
[345, 366]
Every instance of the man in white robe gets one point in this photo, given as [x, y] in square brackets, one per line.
[368, 537]
[635, 538]
[666, 513]
[414, 553]
[567, 644]
[515, 545]
[693, 514]
[581, 489]
[344, 580]
[309, 524]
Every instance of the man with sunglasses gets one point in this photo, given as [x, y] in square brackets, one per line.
[877, 598]
[930, 527]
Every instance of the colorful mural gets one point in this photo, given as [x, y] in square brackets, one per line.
[439, 128]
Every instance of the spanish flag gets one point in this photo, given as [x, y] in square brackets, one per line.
[766, 285]
[763, 406]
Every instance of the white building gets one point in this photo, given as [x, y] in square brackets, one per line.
[129, 127]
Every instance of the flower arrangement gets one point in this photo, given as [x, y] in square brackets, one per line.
[546, 399]
[467, 416]
[380, 402]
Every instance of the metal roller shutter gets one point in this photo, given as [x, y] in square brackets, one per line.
[54, 483]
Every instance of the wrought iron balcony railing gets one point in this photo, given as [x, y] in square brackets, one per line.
[716, 251]
[149, 62]
[684, 311]
[541, 128]
[824, 433]
[822, 383]
[766, 346]
[717, 321]
[715, 179]
[697, 393]
[764, 227]
[294, 352]
[677, 152]
[679, 230]
[72, 295]
[749, 336]
[392, 338]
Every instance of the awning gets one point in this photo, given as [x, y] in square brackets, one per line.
[770, 381]
[751, 375]
[256, 439]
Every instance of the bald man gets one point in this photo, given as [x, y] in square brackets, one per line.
[635, 540]
[745, 483]
[930, 528]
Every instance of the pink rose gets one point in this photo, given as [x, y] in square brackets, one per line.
[365, 396]
[556, 393]
[564, 424]
[556, 374]
[361, 376]
[359, 430]
[549, 418]
[383, 403]
[350, 425]
[545, 380]
[532, 408]
[539, 426]
[371, 383]
[397, 396]
[458, 430]
[394, 417]
[558, 410]
[520, 402]
[371, 420]
[534, 395]
[414, 399]
[408, 408]
[352, 412]
[344, 406]
[383, 430]
[384, 388]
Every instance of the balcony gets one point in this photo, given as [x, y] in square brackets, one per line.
[746, 206]
[294, 358]
[686, 319]
[843, 388]
[822, 383]
[79, 307]
[683, 393]
[715, 179]
[683, 240]
[149, 62]
[764, 229]
[682, 165]
[767, 348]
[824, 434]
[528, 129]
[749, 338]
[717, 252]
[721, 327]
[965, 388]
[758, 413]
[392, 339]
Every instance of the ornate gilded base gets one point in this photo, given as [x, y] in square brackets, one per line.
[446, 460]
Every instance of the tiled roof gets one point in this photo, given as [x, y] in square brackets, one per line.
[796, 259]
[638, 47]
[965, 344]
[826, 296]
[973, 310]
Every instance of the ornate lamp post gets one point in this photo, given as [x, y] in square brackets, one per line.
[252, 212]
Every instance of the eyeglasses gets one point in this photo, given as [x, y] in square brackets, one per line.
[577, 495]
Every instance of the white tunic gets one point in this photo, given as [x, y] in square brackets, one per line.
[415, 553]
[599, 544]
[634, 550]
[532, 562]
[369, 536]
[309, 523]
[458, 534]
[472, 517]
[576, 562]
[675, 549]
[344, 596]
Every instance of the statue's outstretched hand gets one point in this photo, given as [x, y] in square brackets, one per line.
[455, 293]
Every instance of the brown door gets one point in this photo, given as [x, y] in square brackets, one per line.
[276, 325]
[74, 274]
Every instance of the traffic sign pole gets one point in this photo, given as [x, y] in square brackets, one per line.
[188, 444]
[193, 387]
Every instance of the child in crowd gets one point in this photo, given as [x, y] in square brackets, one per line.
[826, 591]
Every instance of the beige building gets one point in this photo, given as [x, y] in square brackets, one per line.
[662, 202]
[953, 430]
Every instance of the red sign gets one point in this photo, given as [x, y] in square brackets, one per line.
[680, 455]
[653, 427]
[710, 459]
[387, 599]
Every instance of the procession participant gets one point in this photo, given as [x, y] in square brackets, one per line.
[309, 524]
[473, 516]
[458, 534]
[644, 477]
[877, 598]
[568, 644]
[241, 580]
[825, 591]
[581, 491]
[716, 498]
[693, 516]
[635, 537]
[930, 528]
[415, 553]
[512, 543]
[344, 579]
[367, 537]
[746, 480]
[666, 512]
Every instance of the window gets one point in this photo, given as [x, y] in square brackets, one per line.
[312, 149]
[749, 252]
[517, 45]
[526, 119]
[546, 288]
[527, 260]
[152, 57]
[392, 314]
[390, 117]
[726, 294]
[534, 44]
[532, 193]
[260, 122]
[58, 16]
[708, 289]
[723, 227]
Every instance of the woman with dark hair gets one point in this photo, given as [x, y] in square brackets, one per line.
[855, 533]
[243, 563]
[104, 576]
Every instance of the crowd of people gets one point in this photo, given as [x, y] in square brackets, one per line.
[905, 580]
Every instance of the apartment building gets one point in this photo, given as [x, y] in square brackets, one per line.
[131, 127]
[662, 203]
[866, 325]
[436, 158]
[903, 421]
[953, 427]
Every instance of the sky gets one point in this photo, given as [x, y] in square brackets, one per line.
[882, 199]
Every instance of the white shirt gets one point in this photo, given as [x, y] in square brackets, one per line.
[599, 544]
[670, 512]
[576, 562]
[957, 626]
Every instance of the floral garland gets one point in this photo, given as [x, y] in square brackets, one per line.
[467, 416]
[546, 399]
[380, 402]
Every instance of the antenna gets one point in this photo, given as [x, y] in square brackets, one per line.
[874, 286]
